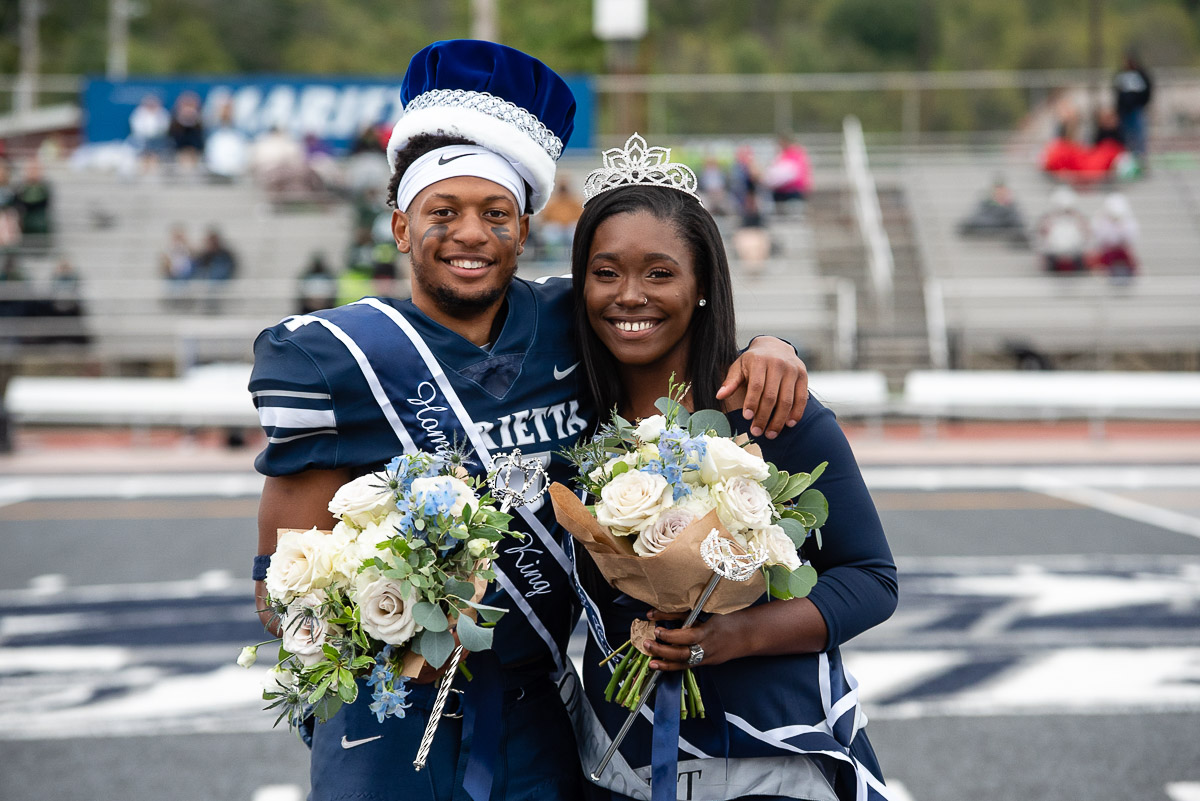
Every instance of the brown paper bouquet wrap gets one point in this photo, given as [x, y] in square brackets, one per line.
[671, 580]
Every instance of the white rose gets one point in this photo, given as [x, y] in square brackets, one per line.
[699, 501]
[723, 460]
[463, 494]
[632, 501]
[304, 630]
[385, 611]
[662, 532]
[649, 429]
[248, 656]
[779, 547]
[742, 503]
[602, 472]
[303, 561]
[365, 499]
[279, 680]
[368, 540]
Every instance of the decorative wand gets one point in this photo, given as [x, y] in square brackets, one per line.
[533, 484]
[717, 552]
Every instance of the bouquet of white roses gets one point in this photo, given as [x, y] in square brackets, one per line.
[660, 487]
[385, 591]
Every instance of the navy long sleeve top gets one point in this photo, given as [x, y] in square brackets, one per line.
[857, 587]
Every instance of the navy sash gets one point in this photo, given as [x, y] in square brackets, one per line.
[425, 413]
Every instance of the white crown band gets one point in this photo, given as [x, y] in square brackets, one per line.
[493, 106]
[639, 165]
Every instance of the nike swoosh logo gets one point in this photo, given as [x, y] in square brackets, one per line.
[355, 743]
[447, 159]
[559, 375]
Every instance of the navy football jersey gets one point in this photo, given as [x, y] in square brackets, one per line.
[345, 388]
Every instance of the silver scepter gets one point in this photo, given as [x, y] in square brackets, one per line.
[717, 552]
[533, 484]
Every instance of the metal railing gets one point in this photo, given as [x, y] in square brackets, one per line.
[866, 210]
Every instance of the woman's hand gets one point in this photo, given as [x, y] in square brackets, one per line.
[776, 385]
[780, 627]
[719, 636]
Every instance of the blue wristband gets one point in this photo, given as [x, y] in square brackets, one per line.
[261, 563]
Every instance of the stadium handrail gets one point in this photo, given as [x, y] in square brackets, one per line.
[867, 211]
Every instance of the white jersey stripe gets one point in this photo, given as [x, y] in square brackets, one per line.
[385, 403]
[291, 417]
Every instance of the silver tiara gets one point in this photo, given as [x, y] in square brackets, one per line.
[639, 165]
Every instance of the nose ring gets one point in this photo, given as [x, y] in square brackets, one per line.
[645, 300]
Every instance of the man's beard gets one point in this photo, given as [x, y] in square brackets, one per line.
[457, 304]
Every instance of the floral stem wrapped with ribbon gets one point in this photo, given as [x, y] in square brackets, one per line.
[660, 488]
[390, 589]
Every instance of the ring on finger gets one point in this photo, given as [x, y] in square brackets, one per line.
[696, 655]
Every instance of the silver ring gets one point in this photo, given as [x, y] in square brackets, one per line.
[645, 300]
[697, 655]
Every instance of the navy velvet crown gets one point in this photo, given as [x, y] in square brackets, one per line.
[509, 74]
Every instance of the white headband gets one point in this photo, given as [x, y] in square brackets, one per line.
[460, 160]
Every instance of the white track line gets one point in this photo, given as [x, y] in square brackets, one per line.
[1116, 505]
[1184, 791]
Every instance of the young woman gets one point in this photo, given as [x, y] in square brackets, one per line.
[651, 276]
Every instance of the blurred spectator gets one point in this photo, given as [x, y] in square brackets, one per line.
[366, 167]
[318, 286]
[556, 223]
[1114, 233]
[227, 149]
[277, 162]
[789, 176]
[33, 201]
[744, 181]
[178, 260]
[1063, 234]
[1068, 159]
[12, 287]
[66, 301]
[10, 213]
[187, 132]
[714, 186]
[324, 170]
[1132, 89]
[752, 240]
[148, 126]
[215, 261]
[995, 215]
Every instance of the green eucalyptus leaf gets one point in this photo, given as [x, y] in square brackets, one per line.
[795, 530]
[806, 519]
[708, 420]
[802, 580]
[490, 614]
[814, 503]
[435, 646]
[619, 468]
[430, 616]
[459, 588]
[780, 578]
[327, 707]
[473, 636]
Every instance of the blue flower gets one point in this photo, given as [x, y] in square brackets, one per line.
[390, 702]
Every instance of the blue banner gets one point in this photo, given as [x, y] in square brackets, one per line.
[335, 109]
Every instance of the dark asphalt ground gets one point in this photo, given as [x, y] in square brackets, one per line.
[1091, 752]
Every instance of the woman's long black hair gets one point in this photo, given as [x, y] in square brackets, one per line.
[713, 331]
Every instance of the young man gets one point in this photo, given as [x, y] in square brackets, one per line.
[478, 357]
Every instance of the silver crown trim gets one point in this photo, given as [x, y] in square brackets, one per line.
[638, 164]
[485, 102]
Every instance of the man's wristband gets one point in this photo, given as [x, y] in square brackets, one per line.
[261, 563]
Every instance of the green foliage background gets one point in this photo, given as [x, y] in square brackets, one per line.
[685, 36]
